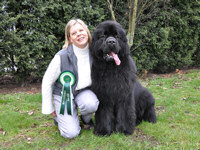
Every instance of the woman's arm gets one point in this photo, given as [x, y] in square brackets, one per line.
[51, 75]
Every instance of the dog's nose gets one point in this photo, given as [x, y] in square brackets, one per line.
[111, 41]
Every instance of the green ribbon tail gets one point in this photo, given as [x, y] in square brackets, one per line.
[69, 101]
[66, 99]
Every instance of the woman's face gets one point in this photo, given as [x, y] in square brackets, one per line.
[78, 36]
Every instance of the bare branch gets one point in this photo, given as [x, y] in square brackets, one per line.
[132, 19]
[135, 48]
[110, 6]
[145, 5]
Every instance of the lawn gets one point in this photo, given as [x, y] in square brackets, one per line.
[22, 126]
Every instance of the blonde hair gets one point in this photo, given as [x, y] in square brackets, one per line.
[67, 31]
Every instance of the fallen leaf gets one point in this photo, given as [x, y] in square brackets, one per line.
[197, 88]
[160, 108]
[21, 112]
[42, 132]
[192, 115]
[166, 75]
[177, 83]
[30, 113]
[2, 131]
[173, 126]
[177, 87]
[46, 125]
[178, 71]
[29, 138]
[21, 135]
[184, 98]
[34, 125]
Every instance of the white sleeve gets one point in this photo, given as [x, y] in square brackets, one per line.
[51, 75]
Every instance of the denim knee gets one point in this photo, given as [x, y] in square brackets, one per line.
[87, 102]
[69, 134]
[92, 106]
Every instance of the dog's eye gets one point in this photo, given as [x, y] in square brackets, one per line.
[102, 36]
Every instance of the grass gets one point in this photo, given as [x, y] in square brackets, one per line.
[22, 126]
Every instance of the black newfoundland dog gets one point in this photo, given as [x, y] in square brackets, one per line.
[124, 102]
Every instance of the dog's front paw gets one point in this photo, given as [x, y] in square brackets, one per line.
[128, 131]
[119, 128]
[102, 132]
[150, 116]
[153, 119]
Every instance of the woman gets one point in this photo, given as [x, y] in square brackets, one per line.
[75, 59]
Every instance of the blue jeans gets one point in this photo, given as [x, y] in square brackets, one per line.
[69, 126]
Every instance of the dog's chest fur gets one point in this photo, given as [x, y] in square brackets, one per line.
[112, 82]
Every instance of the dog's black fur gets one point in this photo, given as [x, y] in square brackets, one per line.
[124, 102]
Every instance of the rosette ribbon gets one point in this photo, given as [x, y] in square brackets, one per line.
[67, 79]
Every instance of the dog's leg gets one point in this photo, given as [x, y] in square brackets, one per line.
[150, 114]
[126, 117]
[145, 107]
[120, 117]
[104, 121]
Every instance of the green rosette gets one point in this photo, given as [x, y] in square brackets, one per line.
[67, 79]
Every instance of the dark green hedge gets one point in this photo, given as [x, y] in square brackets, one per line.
[169, 38]
[31, 32]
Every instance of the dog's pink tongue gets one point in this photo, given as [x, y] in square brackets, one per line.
[116, 58]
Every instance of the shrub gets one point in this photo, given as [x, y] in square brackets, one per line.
[169, 38]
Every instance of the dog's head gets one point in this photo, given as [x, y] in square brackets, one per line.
[109, 42]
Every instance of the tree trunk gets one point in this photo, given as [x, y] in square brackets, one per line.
[132, 20]
[110, 6]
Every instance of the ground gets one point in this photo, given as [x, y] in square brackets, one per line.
[176, 93]
[6, 86]
[31, 88]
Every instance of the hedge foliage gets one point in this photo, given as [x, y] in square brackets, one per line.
[168, 39]
[31, 32]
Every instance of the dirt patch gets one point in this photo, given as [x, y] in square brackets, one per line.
[31, 88]
[9, 86]
[140, 136]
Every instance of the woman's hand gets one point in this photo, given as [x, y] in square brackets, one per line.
[54, 114]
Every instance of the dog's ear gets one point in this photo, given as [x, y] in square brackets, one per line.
[92, 46]
[125, 50]
[95, 45]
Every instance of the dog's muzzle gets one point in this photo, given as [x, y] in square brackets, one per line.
[111, 41]
[108, 57]
[112, 56]
[111, 50]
